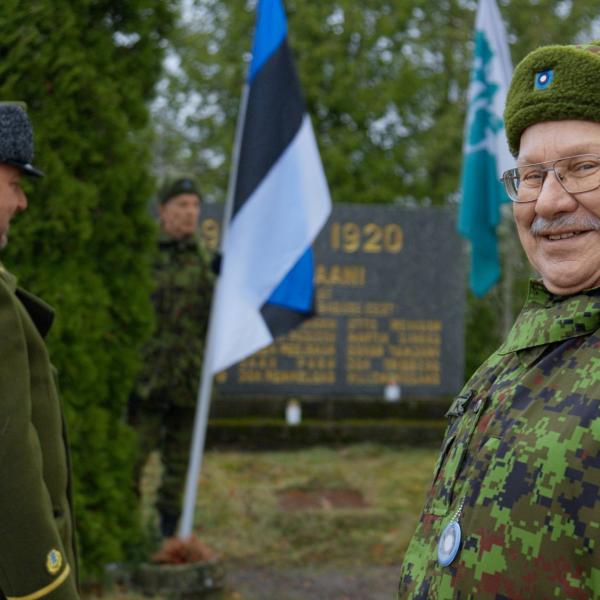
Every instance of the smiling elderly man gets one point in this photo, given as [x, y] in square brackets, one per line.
[514, 507]
[37, 549]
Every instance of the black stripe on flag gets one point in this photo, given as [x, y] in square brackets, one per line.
[273, 118]
[280, 319]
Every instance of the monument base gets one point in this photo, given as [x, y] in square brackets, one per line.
[193, 581]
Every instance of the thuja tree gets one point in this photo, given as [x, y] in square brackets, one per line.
[87, 70]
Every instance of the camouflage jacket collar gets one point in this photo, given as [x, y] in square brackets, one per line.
[189, 241]
[547, 318]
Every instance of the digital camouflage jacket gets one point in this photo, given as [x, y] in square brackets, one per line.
[519, 470]
[172, 358]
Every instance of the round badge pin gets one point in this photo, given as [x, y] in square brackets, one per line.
[449, 544]
[54, 561]
[543, 79]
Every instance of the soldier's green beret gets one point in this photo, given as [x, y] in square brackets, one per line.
[553, 83]
[185, 185]
[16, 138]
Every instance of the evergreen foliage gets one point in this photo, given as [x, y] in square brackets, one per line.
[87, 70]
[385, 84]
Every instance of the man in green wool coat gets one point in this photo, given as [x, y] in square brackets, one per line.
[37, 551]
[514, 506]
[163, 405]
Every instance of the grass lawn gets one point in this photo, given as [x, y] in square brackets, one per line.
[359, 504]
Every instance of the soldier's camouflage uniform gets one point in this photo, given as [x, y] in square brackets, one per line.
[521, 456]
[172, 359]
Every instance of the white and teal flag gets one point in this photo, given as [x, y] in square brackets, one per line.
[485, 150]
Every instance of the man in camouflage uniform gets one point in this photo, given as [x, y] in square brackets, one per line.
[514, 507]
[165, 398]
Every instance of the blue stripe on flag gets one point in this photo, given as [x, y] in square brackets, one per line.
[296, 291]
[271, 30]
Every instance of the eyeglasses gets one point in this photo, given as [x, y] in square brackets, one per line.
[576, 174]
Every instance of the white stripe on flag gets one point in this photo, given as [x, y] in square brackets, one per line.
[266, 238]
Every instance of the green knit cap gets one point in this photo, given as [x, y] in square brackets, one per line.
[553, 83]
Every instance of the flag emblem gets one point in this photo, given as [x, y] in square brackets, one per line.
[544, 79]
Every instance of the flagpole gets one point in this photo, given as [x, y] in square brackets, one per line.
[205, 385]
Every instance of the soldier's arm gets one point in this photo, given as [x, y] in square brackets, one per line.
[33, 562]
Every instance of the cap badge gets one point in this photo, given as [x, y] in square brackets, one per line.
[54, 561]
[543, 79]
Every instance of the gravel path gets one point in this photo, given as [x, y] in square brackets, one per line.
[369, 583]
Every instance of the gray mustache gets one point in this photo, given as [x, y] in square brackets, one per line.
[542, 226]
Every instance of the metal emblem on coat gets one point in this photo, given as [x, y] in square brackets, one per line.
[449, 544]
[54, 561]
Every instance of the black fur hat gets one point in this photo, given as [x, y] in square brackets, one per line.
[16, 138]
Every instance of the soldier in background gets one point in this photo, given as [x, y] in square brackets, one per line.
[163, 405]
[37, 552]
[514, 506]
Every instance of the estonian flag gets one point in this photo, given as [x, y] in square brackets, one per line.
[485, 149]
[280, 203]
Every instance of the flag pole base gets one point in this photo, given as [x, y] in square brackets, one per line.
[192, 581]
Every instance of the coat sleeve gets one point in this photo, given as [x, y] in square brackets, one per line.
[33, 561]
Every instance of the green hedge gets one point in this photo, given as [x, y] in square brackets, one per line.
[87, 71]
